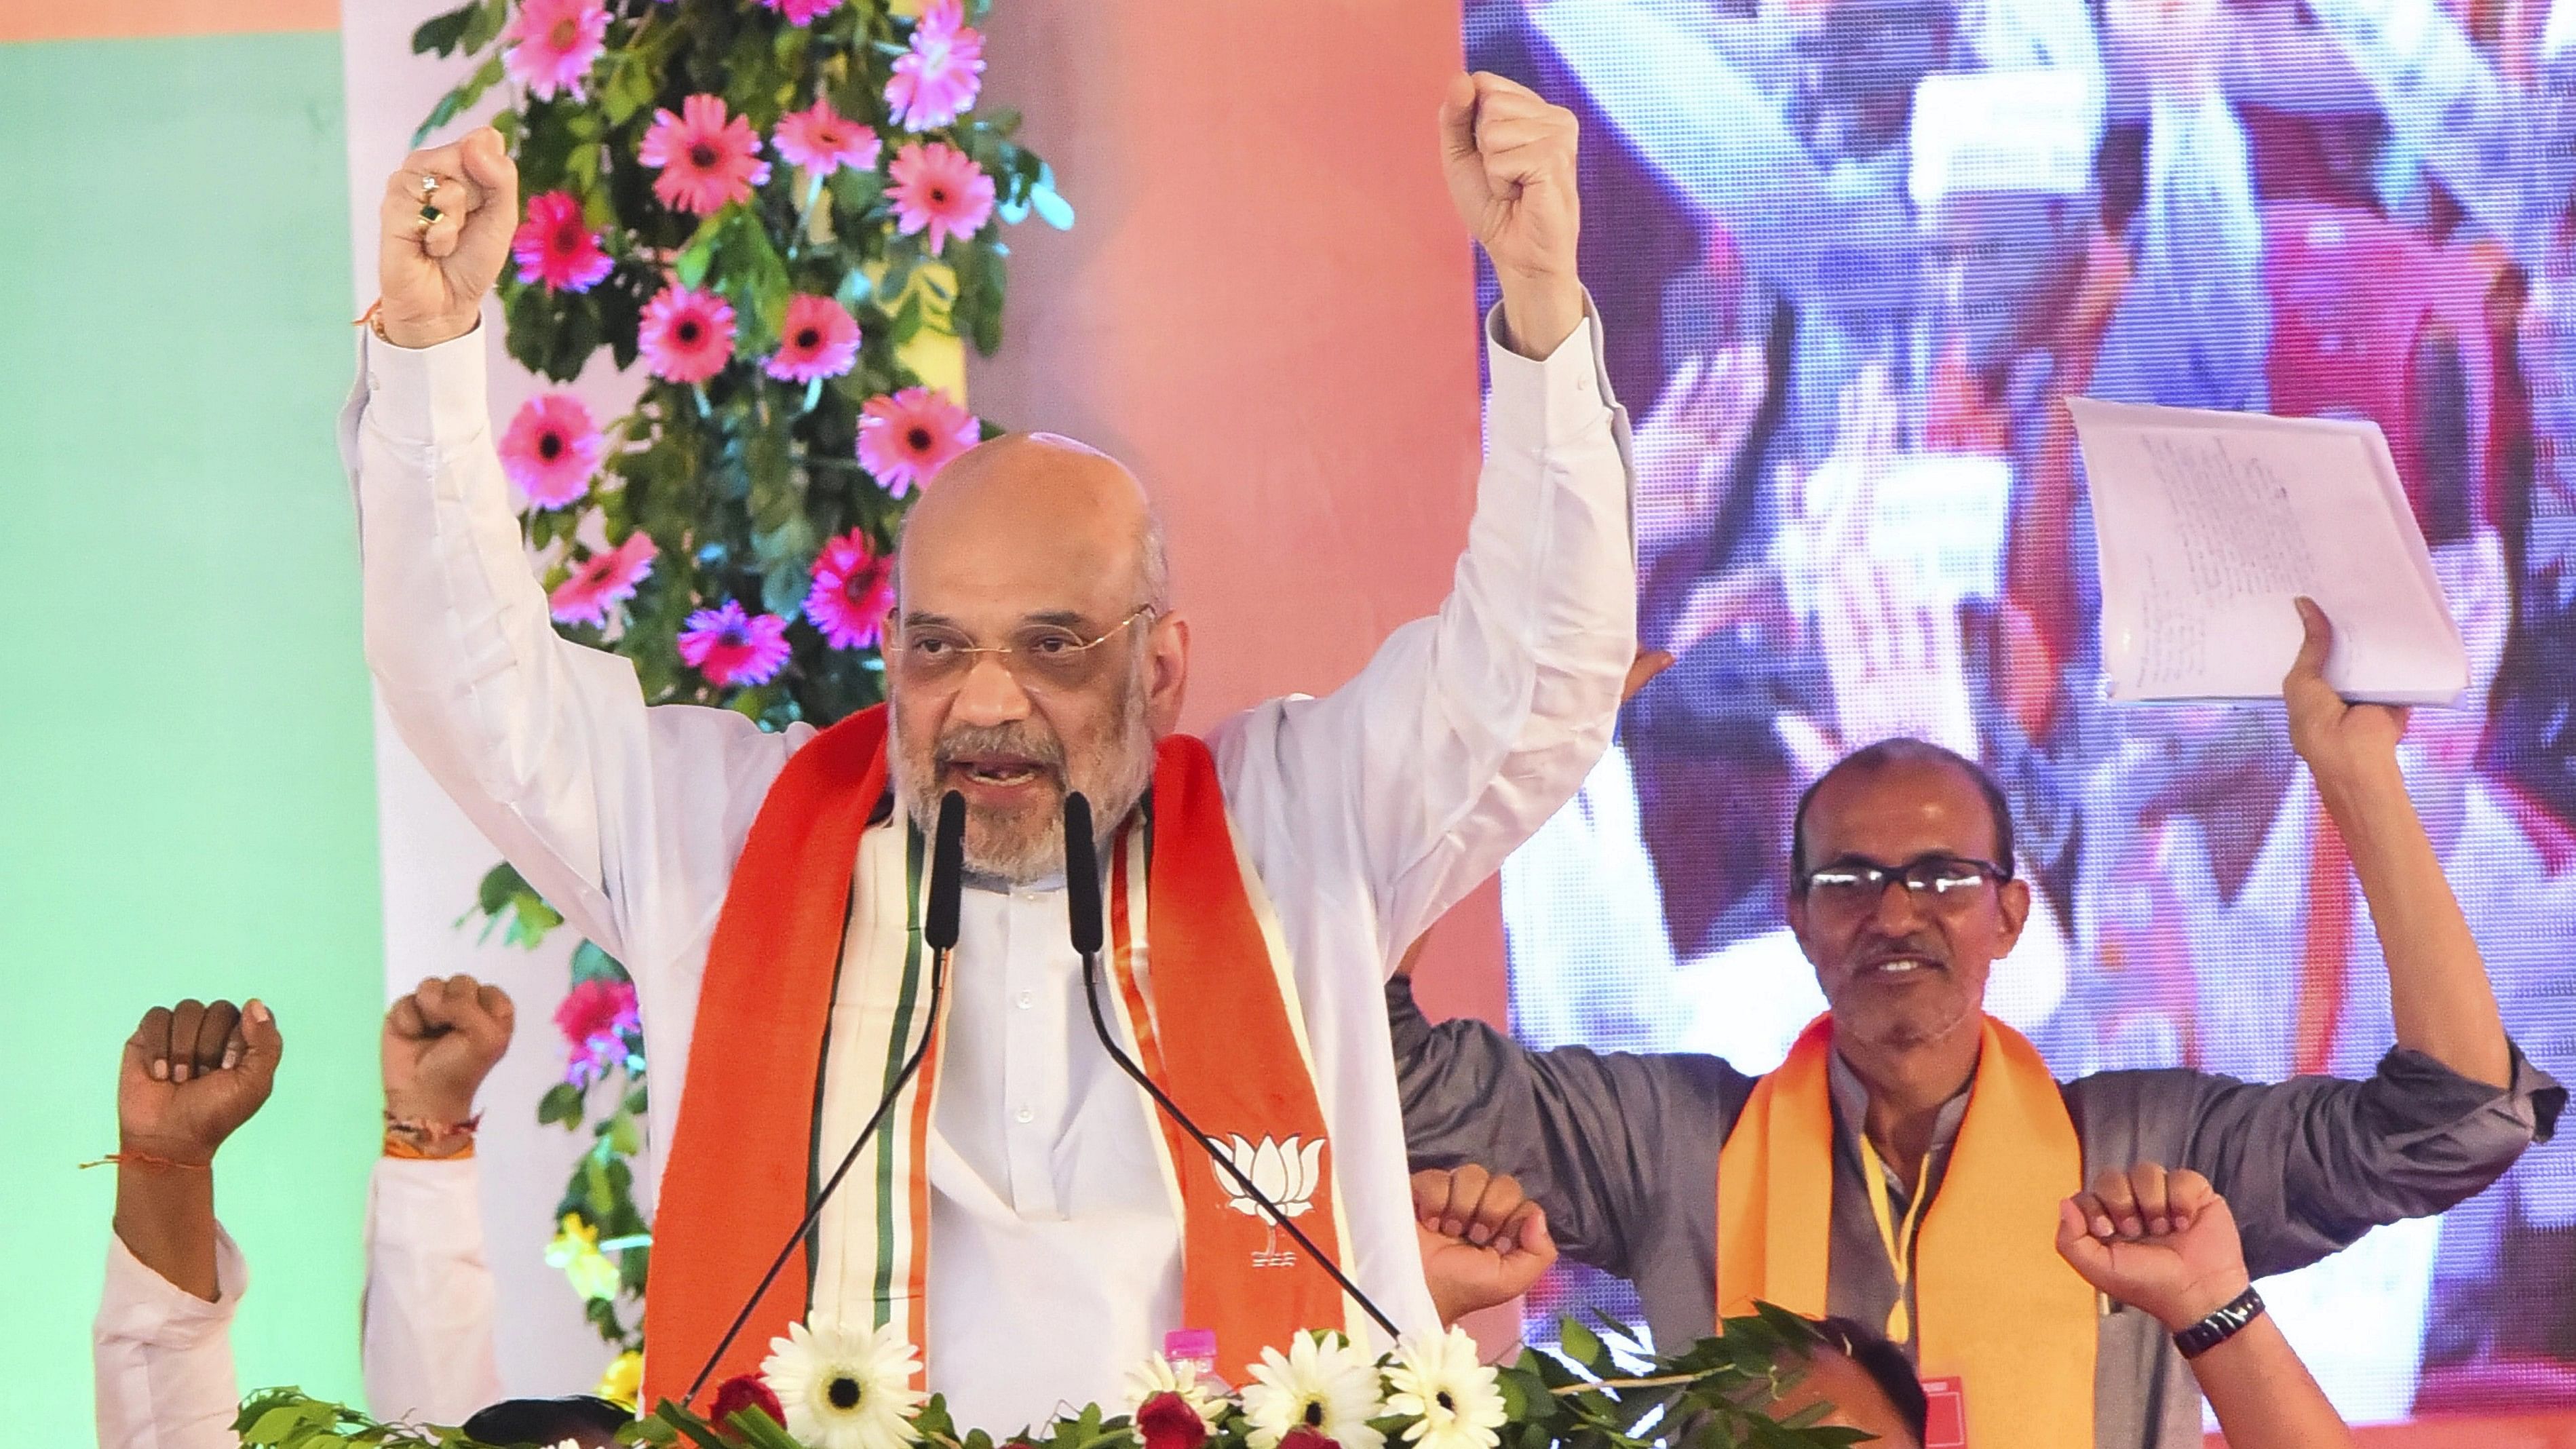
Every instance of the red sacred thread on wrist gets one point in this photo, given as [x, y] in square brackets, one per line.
[146, 1159]
[428, 1131]
[373, 318]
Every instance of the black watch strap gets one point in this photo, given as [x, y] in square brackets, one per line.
[2222, 1325]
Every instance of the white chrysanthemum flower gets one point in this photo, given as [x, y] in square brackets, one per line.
[1455, 1401]
[845, 1388]
[1159, 1375]
[1322, 1384]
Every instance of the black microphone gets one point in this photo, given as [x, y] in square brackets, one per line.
[939, 933]
[1082, 909]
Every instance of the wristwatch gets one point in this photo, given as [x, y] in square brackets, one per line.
[2222, 1325]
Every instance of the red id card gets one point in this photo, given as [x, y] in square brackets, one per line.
[1946, 1426]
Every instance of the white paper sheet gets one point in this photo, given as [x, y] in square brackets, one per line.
[2211, 523]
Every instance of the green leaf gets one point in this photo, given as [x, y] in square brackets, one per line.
[625, 1134]
[1583, 1346]
[484, 25]
[560, 1104]
[441, 34]
[589, 963]
[454, 103]
[699, 252]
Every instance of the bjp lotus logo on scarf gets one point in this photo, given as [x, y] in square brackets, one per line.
[1287, 1173]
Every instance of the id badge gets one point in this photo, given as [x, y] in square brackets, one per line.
[1946, 1425]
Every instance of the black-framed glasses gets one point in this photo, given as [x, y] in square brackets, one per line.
[1938, 879]
[1039, 656]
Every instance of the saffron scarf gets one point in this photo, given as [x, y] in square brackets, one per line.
[1996, 1306]
[1218, 1027]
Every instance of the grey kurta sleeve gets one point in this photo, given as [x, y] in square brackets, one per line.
[1592, 1136]
[2311, 1164]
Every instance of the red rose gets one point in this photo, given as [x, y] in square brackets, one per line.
[1304, 1437]
[1166, 1421]
[744, 1391]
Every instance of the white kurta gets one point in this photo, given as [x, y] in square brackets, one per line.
[162, 1358]
[1367, 813]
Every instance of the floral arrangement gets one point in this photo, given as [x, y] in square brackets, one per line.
[826, 1386]
[786, 211]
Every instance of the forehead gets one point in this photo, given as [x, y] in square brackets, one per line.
[1895, 812]
[1016, 551]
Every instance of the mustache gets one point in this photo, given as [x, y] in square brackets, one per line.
[1017, 741]
[1872, 952]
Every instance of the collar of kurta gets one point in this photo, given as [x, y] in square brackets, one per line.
[1995, 1307]
[1207, 997]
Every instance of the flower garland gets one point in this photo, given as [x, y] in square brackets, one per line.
[788, 212]
[831, 1386]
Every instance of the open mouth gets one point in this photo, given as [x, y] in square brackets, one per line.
[1893, 967]
[999, 771]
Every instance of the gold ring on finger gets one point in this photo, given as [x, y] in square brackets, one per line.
[429, 216]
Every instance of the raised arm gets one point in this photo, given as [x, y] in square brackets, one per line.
[161, 1348]
[2184, 1264]
[1470, 728]
[2438, 991]
[625, 819]
[427, 1346]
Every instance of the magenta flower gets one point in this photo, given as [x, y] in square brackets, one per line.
[822, 141]
[596, 1018]
[551, 448]
[552, 44]
[907, 436]
[686, 335]
[708, 160]
[939, 76]
[818, 340]
[853, 589]
[939, 188]
[802, 12]
[555, 247]
[731, 647]
[603, 581]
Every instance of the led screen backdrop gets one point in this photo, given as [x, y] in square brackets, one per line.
[1851, 254]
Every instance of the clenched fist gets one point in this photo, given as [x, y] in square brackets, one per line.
[1509, 157]
[448, 215]
[2160, 1241]
[193, 1073]
[439, 1044]
[1483, 1240]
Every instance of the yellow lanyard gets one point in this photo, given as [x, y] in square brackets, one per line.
[1898, 1238]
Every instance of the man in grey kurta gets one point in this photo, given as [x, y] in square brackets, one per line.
[1622, 1150]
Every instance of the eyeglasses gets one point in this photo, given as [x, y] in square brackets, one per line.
[1039, 656]
[1857, 883]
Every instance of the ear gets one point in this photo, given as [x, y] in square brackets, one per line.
[1167, 666]
[2012, 901]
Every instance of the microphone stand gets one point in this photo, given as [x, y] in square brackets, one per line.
[1082, 904]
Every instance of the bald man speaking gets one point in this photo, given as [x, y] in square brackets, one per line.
[1025, 1218]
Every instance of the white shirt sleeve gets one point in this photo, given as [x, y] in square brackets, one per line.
[162, 1357]
[428, 1346]
[626, 819]
[1468, 729]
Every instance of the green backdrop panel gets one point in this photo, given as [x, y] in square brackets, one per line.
[187, 800]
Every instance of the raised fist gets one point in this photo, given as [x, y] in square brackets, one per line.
[439, 1044]
[1483, 1240]
[192, 1074]
[2163, 1242]
[1509, 157]
[447, 219]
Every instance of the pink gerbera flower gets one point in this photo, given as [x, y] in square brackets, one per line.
[822, 141]
[551, 448]
[603, 581]
[802, 12]
[818, 340]
[553, 245]
[731, 647]
[596, 1018]
[853, 589]
[938, 187]
[907, 436]
[552, 44]
[687, 335]
[940, 75]
[708, 160]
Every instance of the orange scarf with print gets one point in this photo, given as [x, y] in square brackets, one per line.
[1216, 1024]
